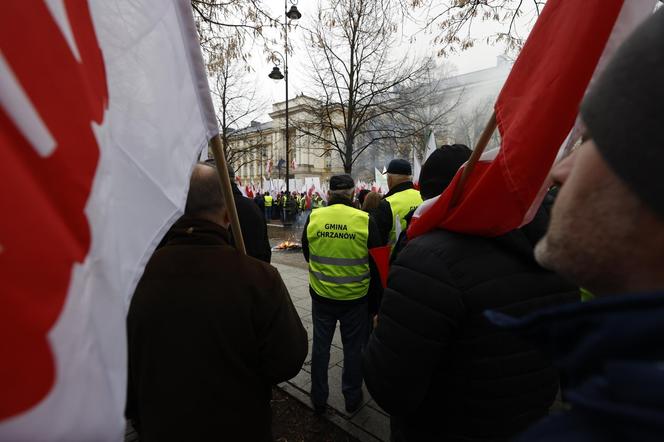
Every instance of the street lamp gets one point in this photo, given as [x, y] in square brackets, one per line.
[291, 14]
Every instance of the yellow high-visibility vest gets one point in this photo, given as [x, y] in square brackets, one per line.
[268, 201]
[338, 253]
[401, 204]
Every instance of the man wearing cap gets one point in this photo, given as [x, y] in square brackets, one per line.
[398, 202]
[336, 242]
[607, 235]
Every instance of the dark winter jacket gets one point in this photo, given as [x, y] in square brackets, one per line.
[610, 353]
[254, 227]
[436, 364]
[260, 202]
[209, 332]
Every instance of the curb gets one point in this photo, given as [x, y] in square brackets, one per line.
[332, 416]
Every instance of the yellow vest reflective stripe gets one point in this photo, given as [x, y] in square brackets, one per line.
[401, 204]
[338, 254]
[268, 201]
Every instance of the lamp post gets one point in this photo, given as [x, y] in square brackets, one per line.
[292, 14]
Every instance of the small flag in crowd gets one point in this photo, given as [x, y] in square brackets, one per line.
[104, 109]
[535, 112]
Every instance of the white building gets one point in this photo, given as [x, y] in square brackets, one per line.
[264, 146]
[263, 149]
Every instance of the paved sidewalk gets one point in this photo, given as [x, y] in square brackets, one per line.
[369, 423]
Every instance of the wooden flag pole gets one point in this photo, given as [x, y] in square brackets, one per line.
[227, 191]
[474, 158]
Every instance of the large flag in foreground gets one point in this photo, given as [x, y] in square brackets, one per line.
[104, 109]
[535, 112]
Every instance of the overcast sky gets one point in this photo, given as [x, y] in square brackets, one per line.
[479, 57]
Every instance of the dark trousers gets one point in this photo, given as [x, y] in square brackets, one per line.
[354, 328]
[268, 213]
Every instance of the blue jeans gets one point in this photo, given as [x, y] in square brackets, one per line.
[268, 213]
[354, 329]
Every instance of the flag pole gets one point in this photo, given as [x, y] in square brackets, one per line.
[474, 158]
[227, 191]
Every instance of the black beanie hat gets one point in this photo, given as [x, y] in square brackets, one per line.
[439, 169]
[341, 182]
[624, 112]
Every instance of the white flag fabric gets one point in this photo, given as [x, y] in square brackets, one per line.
[381, 180]
[431, 146]
[417, 168]
[104, 109]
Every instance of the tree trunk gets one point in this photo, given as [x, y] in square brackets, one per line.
[348, 160]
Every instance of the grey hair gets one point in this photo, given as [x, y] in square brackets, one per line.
[342, 193]
[204, 195]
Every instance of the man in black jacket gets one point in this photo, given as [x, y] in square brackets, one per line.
[210, 330]
[252, 222]
[400, 200]
[253, 225]
[436, 364]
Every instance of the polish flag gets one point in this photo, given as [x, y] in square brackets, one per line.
[104, 109]
[535, 113]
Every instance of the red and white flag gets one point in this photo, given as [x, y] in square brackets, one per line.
[535, 111]
[417, 168]
[104, 108]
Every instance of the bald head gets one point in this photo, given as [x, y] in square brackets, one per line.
[205, 199]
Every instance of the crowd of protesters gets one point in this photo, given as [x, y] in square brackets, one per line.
[471, 338]
[286, 207]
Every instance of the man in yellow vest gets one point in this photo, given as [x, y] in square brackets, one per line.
[401, 199]
[268, 206]
[342, 277]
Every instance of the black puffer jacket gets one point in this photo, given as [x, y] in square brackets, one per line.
[436, 364]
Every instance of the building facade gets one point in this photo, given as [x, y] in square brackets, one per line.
[260, 149]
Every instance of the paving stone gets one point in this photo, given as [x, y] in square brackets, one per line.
[373, 422]
[309, 327]
[336, 356]
[302, 312]
[302, 381]
[336, 339]
[307, 360]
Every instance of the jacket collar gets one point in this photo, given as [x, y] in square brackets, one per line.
[399, 188]
[340, 200]
[188, 230]
[609, 350]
